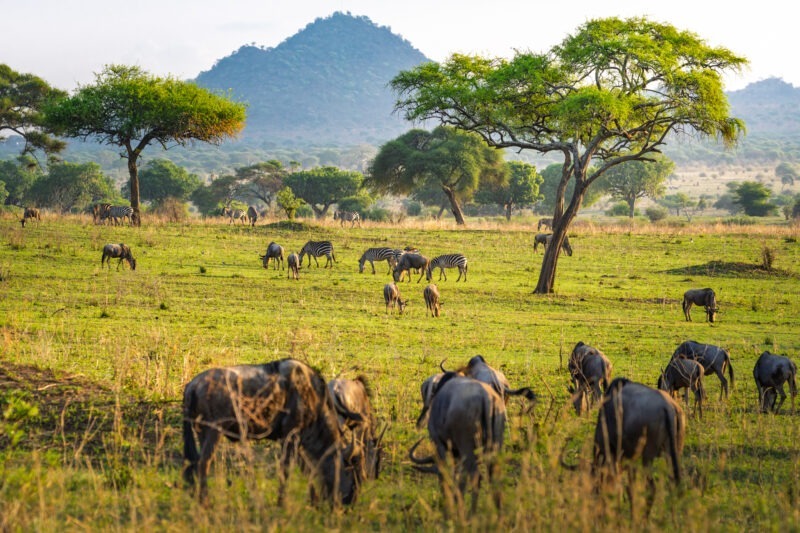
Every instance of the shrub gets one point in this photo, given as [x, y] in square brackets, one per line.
[173, 210]
[655, 213]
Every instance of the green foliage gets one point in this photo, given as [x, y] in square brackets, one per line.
[551, 176]
[655, 213]
[322, 187]
[262, 180]
[22, 100]
[17, 411]
[72, 186]
[636, 179]
[289, 202]
[521, 190]
[163, 179]
[172, 210]
[754, 199]
[680, 202]
[787, 173]
[619, 209]
[3, 193]
[18, 178]
[413, 208]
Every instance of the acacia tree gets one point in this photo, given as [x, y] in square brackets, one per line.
[322, 187]
[132, 109]
[22, 98]
[521, 189]
[636, 179]
[787, 173]
[612, 92]
[455, 161]
[263, 180]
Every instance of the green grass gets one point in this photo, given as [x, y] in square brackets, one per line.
[93, 363]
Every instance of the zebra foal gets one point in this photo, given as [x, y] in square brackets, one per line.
[377, 254]
[317, 249]
[441, 262]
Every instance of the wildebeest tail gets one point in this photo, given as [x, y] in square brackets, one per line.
[674, 422]
[524, 391]
[730, 370]
[190, 452]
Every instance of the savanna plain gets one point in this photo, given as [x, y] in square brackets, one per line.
[93, 362]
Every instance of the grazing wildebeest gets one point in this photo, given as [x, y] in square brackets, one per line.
[704, 297]
[252, 215]
[682, 373]
[353, 396]
[347, 216]
[466, 416]
[432, 303]
[771, 372]
[318, 249]
[547, 223]
[426, 390]
[713, 358]
[274, 251]
[284, 400]
[391, 295]
[30, 213]
[441, 262]
[293, 263]
[478, 368]
[590, 371]
[406, 262]
[545, 238]
[635, 420]
[121, 251]
[377, 254]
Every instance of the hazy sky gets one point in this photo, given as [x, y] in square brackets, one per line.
[67, 41]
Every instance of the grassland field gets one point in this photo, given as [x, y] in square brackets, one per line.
[93, 362]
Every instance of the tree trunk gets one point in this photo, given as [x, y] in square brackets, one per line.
[451, 195]
[133, 171]
[631, 207]
[508, 211]
[441, 211]
[547, 276]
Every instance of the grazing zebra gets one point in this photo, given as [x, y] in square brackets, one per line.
[378, 254]
[117, 213]
[546, 222]
[447, 261]
[293, 263]
[316, 249]
[121, 251]
[30, 212]
[347, 216]
[234, 215]
[545, 238]
[252, 215]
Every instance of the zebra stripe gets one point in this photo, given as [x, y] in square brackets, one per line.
[447, 261]
[347, 216]
[235, 214]
[117, 213]
[316, 249]
[378, 254]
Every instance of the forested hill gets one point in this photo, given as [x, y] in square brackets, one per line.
[770, 107]
[327, 84]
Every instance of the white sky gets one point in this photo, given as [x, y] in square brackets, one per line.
[66, 42]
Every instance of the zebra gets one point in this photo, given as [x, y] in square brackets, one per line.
[347, 216]
[545, 238]
[441, 262]
[252, 215]
[98, 210]
[546, 222]
[121, 251]
[316, 249]
[235, 214]
[378, 254]
[117, 213]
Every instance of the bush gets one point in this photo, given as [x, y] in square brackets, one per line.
[620, 209]
[655, 213]
[413, 208]
[173, 210]
[378, 214]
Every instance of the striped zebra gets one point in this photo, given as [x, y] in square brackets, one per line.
[347, 216]
[378, 254]
[117, 213]
[447, 261]
[235, 214]
[316, 249]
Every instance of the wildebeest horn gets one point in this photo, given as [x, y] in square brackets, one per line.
[425, 464]
[441, 365]
[380, 437]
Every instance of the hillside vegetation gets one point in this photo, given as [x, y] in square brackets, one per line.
[93, 363]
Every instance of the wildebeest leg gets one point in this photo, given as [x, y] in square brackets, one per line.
[289, 452]
[209, 437]
[779, 390]
[723, 382]
[687, 308]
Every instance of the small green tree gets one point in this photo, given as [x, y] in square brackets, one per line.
[636, 179]
[68, 186]
[163, 179]
[680, 202]
[18, 177]
[787, 173]
[289, 202]
[521, 189]
[132, 109]
[262, 180]
[322, 187]
[754, 199]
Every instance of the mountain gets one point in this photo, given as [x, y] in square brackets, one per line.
[769, 107]
[327, 84]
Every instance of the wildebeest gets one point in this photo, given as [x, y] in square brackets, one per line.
[545, 238]
[466, 417]
[590, 372]
[704, 297]
[353, 396]
[478, 368]
[441, 262]
[274, 251]
[252, 215]
[426, 390]
[771, 372]
[713, 358]
[285, 400]
[547, 223]
[635, 420]
[682, 373]
[121, 251]
[293, 263]
[30, 213]
[406, 262]
[318, 249]
[431, 295]
[391, 295]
